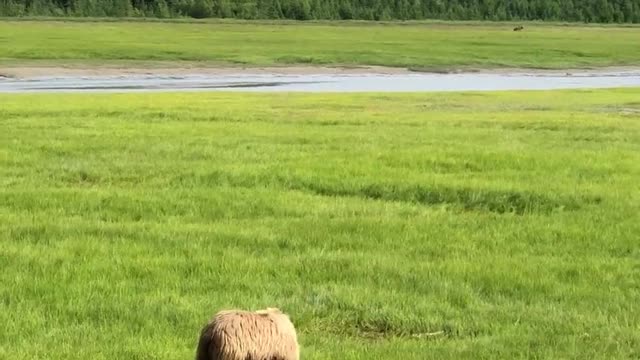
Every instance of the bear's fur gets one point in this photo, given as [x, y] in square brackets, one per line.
[243, 335]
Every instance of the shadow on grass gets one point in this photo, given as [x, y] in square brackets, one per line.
[519, 202]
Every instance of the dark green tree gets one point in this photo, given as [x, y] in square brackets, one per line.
[201, 9]
[605, 11]
[269, 9]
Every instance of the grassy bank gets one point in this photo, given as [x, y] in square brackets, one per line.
[417, 45]
[507, 221]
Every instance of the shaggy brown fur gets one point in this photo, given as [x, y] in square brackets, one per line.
[244, 335]
[518, 28]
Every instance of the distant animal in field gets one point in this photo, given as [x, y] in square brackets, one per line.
[518, 28]
[244, 335]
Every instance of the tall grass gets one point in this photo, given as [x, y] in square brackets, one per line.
[455, 226]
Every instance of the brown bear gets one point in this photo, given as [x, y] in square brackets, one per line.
[244, 335]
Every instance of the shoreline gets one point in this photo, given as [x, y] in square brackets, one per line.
[19, 72]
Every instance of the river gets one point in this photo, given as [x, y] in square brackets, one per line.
[357, 82]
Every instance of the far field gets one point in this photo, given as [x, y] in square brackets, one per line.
[439, 226]
[420, 46]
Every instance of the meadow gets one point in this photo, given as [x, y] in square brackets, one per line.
[408, 226]
[420, 46]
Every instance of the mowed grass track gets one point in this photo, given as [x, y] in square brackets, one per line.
[507, 221]
[419, 46]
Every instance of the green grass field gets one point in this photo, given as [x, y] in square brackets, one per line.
[507, 221]
[430, 46]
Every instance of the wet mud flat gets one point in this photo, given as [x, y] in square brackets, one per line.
[324, 82]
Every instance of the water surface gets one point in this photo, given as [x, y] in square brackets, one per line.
[410, 82]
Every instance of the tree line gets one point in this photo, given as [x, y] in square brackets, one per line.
[600, 11]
